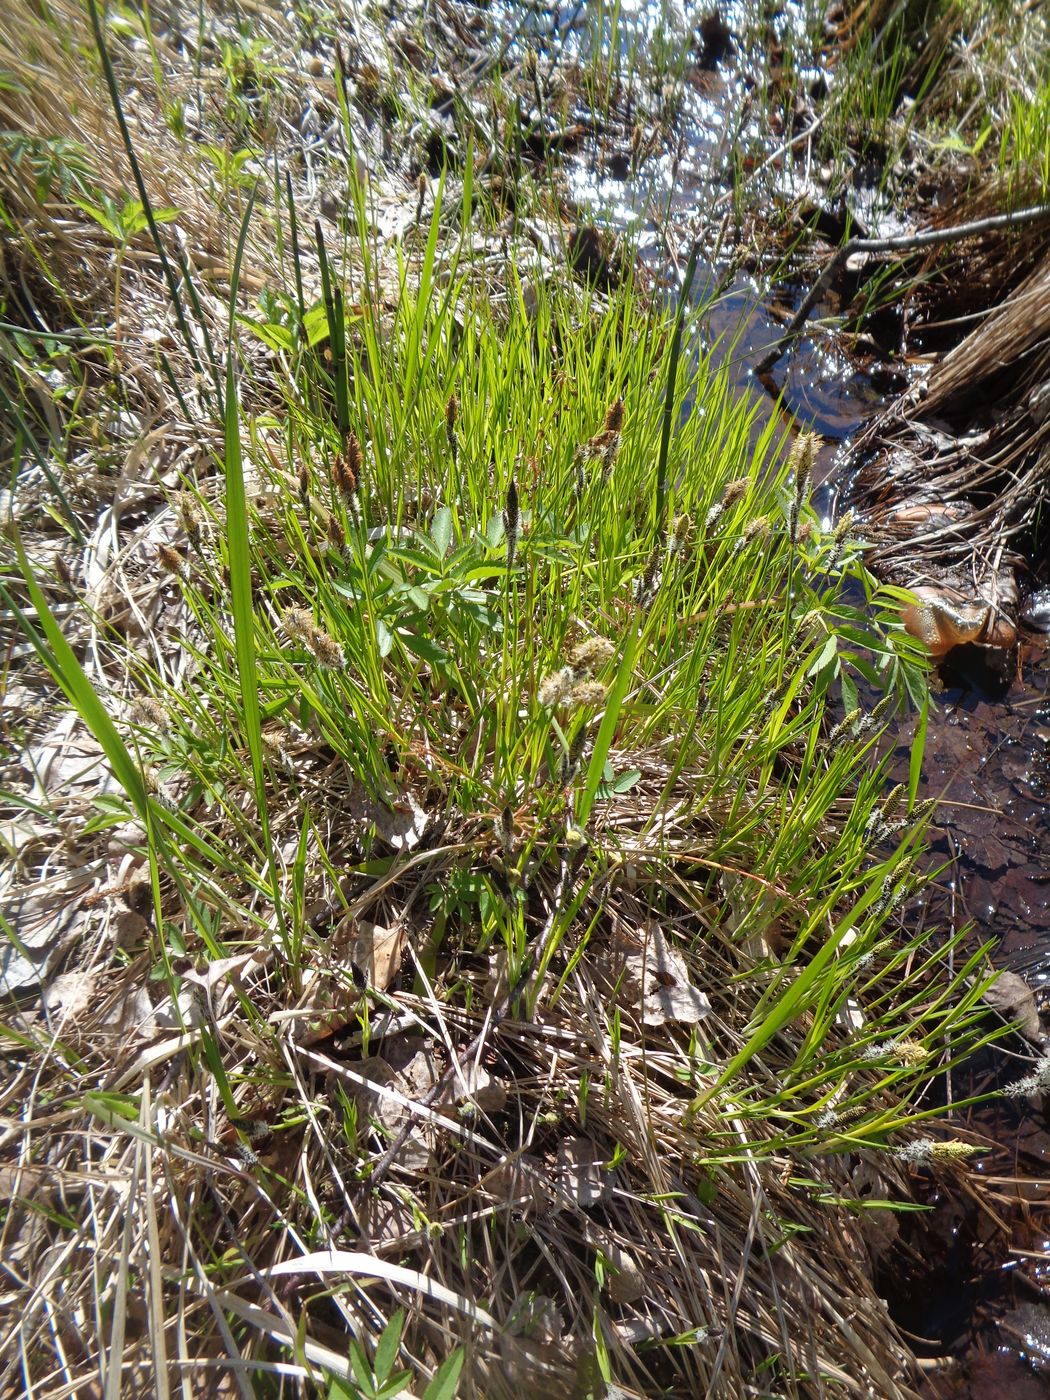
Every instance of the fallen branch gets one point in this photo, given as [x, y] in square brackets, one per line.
[899, 244]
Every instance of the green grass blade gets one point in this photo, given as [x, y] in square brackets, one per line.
[607, 728]
[669, 396]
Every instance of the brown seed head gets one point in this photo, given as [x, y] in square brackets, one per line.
[325, 648]
[187, 515]
[614, 417]
[354, 455]
[591, 654]
[588, 694]
[554, 689]
[298, 624]
[735, 489]
[343, 477]
[146, 711]
[171, 560]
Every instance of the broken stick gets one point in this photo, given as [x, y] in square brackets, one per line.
[900, 244]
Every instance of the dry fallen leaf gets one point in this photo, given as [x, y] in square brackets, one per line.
[657, 975]
[521, 1183]
[377, 952]
[624, 1281]
[402, 825]
[1014, 1000]
[474, 1085]
[414, 1081]
[579, 1173]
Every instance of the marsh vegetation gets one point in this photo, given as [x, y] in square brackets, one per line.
[458, 891]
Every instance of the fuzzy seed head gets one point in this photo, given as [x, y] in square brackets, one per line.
[354, 455]
[187, 515]
[326, 649]
[344, 477]
[148, 713]
[588, 694]
[574, 838]
[336, 533]
[451, 413]
[803, 453]
[757, 529]
[614, 418]
[592, 654]
[845, 726]
[679, 536]
[924, 1151]
[298, 624]
[910, 1053]
[304, 481]
[734, 490]
[1038, 1082]
[273, 743]
[555, 689]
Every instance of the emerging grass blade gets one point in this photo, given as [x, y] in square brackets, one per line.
[240, 557]
[610, 719]
[147, 209]
[669, 394]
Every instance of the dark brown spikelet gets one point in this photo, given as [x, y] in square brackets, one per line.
[344, 477]
[512, 522]
[170, 559]
[304, 482]
[614, 418]
[354, 456]
[336, 533]
[451, 414]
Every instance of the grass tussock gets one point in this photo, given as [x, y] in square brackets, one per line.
[481, 961]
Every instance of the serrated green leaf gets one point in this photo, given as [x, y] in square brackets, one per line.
[388, 1346]
[443, 1383]
[361, 1369]
[395, 1385]
[441, 531]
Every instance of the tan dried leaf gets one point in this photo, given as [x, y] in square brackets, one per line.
[412, 1082]
[479, 1087]
[402, 825]
[624, 1281]
[658, 975]
[580, 1177]
[522, 1183]
[1014, 1000]
[377, 951]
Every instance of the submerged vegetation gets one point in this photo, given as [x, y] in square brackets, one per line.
[455, 899]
